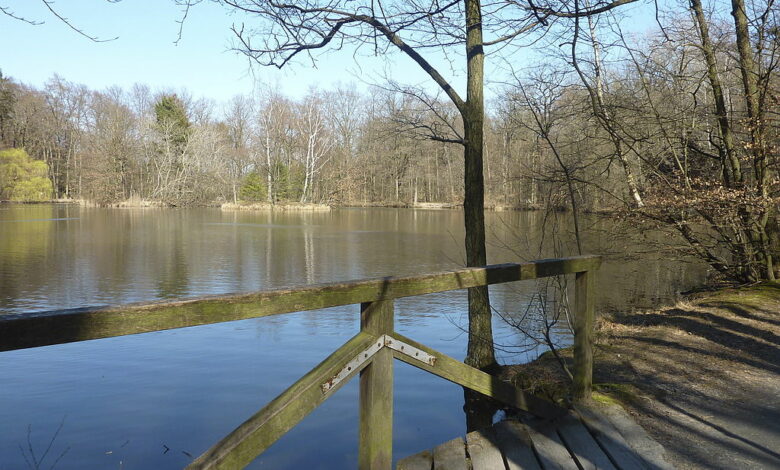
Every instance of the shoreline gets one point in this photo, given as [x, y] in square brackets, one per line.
[289, 207]
[686, 373]
[293, 206]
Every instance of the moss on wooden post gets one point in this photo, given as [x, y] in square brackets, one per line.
[376, 392]
[584, 302]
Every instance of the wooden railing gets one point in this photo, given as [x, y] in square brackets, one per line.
[370, 353]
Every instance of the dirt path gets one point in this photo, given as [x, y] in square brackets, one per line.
[703, 377]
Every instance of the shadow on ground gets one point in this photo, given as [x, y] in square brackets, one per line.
[703, 378]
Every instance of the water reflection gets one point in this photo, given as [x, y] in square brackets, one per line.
[128, 399]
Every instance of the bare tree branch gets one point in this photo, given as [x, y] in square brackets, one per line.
[8, 12]
[49, 5]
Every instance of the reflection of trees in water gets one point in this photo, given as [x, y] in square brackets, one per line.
[118, 255]
[26, 237]
[47, 455]
[308, 254]
[172, 278]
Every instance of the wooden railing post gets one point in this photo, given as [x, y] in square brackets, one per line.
[584, 303]
[376, 392]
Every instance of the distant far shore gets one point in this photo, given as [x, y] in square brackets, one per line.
[265, 206]
[134, 202]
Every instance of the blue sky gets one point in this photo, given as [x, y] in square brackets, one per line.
[145, 51]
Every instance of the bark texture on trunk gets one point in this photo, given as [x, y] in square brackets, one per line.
[732, 171]
[480, 348]
[749, 71]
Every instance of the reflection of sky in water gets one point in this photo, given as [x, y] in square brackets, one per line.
[128, 399]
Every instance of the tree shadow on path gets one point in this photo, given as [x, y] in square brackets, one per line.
[702, 378]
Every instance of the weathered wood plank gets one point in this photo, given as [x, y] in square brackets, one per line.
[516, 445]
[421, 461]
[644, 446]
[483, 450]
[376, 392]
[257, 433]
[466, 376]
[450, 455]
[549, 448]
[611, 440]
[584, 306]
[584, 447]
[35, 329]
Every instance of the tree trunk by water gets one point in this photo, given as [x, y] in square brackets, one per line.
[480, 348]
[732, 171]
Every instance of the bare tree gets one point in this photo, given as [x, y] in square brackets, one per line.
[238, 122]
[274, 128]
[315, 139]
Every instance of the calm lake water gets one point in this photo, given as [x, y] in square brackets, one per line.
[155, 400]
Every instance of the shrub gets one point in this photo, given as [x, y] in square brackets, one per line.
[22, 178]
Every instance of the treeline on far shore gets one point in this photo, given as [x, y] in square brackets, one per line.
[335, 147]
[678, 127]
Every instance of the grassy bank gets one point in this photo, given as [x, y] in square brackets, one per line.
[287, 206]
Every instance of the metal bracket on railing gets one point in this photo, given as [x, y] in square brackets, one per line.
[368, 353]
[354, 364]
[409, 350]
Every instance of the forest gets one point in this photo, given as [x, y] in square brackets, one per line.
[675, 126]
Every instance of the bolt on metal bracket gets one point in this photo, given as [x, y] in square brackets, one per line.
[368, 353]
[409, 350]
[354, 364]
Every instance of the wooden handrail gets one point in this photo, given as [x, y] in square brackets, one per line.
[29, 330]
[369, 353]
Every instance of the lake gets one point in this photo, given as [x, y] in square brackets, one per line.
[156, 400]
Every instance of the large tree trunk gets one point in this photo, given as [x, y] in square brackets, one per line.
[756, 219]
[480, 348]
[479, 410]
[755, 255]
[749, 71]
[732, 173]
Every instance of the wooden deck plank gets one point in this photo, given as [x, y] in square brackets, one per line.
[450, 455]
[515, 444]
[483, 450]
[421, 461]
[586, 439]
[549, 448]
[579, 441]
[637, 438]
[611, 440]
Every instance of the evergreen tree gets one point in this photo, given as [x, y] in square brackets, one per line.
[253, 188]
[7, 101]
[172, 119]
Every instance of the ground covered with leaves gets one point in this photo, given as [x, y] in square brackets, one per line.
[702, 377]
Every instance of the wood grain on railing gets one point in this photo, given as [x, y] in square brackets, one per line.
[29, 330]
